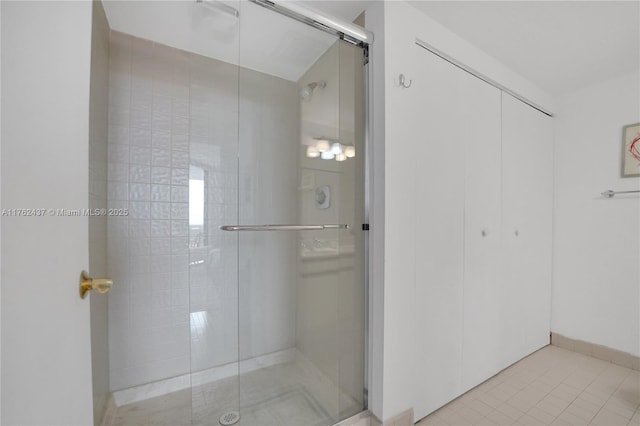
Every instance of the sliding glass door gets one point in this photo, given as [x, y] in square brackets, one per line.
[276, 207]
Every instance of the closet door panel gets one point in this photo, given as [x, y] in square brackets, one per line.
[527, 225]
[478, 135]
[438, 230]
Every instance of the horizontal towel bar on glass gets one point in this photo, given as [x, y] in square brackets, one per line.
[610, 193]
[281, 227]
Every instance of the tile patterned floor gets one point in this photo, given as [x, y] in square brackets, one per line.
[553, 386]
[291, 394]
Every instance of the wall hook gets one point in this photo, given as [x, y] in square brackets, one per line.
[402, 81]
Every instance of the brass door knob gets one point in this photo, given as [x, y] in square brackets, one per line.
[101, 285]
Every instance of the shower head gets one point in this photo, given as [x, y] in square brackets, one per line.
[306, 93]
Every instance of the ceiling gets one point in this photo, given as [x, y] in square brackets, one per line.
[560, 46]
[263, 40]
[345, 9]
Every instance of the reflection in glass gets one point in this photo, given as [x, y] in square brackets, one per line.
[196, 207]
[236, 126]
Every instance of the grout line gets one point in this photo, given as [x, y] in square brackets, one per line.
[561, 361]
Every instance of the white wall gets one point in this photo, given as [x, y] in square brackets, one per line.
[396, 26]
[596, 240]
[46, 375]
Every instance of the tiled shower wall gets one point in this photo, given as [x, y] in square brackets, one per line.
[173, 116]
[148, 174]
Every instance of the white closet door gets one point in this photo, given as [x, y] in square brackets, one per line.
[527, 163]
[478, 139]
[434, 112]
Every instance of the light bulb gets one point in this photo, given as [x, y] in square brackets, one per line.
[341, 157]
[327, 155]
[312, 152]
[350, 151]
[336, 148]
[323, 145]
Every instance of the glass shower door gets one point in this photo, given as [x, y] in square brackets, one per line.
[276, 138]
[213, 200]
[300, 163]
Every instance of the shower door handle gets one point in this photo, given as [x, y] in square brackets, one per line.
[281, 227]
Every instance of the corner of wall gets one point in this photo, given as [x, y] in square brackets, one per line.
[595, 291]
[374, 20]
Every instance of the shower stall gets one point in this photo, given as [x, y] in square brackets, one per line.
[236, 153]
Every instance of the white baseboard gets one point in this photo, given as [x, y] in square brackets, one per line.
[594, 350]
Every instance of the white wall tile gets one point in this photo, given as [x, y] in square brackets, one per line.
[120, 80]
[180, 125]
[181, 106]
[140, 137]
[180, 211]
[118, 134]
[160, 210]
[139, 192]
[119, 97]
[139, 246]
[164, 119]
[118, 172]
[180, 176]
[162, 140]
[139, 210]
[161, 122]
[180, 194]
[161, 192]
[179, 228]
[179, 159]
[160, 228]
[139, 174]
[161, 246]
[118, 191]
[140, 155]
[161, 157]
[141, 251]
[141, 100]
[141, 119]
[139, 228]
[119, 117]
[161, 175]
[180, 142]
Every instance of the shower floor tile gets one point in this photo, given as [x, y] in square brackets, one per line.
[553, 386]
[294, 393]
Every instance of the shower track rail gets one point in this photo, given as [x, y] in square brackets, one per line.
[282, 227]
[609, 193]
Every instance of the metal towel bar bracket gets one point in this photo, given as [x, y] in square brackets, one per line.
[609, 193]
[281, 227]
